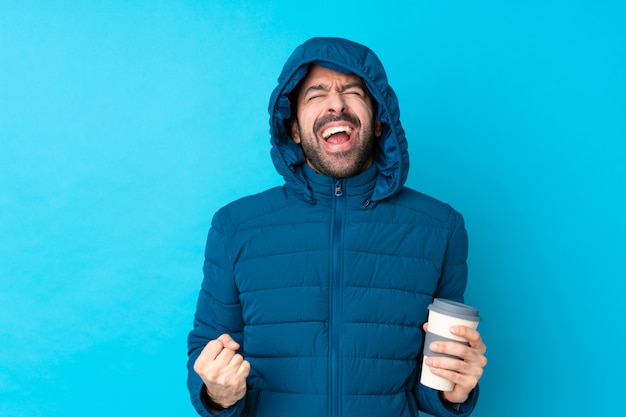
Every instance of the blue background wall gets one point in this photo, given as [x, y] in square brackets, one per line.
[125, 124]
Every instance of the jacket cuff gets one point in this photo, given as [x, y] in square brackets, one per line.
[217, 410]
[432, 403]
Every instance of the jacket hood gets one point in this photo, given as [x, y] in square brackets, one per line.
[391, 154]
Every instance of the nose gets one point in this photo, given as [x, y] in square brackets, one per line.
[335, 103]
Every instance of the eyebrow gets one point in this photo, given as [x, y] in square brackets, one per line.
[324, 87]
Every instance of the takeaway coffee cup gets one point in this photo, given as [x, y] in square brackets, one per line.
[443, 314]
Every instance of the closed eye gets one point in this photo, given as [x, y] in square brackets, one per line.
[315, 91]
[314, 96]
[354, 89]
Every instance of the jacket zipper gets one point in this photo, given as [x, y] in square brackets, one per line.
[336, 318]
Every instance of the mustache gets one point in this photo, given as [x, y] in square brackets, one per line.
[329, 118]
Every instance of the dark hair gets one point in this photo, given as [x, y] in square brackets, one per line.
[293, 99]
[292, 96]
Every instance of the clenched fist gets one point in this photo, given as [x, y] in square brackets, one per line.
[223, 371]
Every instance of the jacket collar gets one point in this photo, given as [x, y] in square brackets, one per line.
[357, 190]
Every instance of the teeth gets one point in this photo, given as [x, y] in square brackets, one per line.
[332, 130]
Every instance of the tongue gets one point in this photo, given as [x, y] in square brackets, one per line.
[338, 138]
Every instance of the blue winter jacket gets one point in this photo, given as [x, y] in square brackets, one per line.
[325, 283]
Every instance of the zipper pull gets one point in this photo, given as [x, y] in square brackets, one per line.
[338, 190]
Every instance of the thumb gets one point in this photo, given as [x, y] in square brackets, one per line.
[228, 342]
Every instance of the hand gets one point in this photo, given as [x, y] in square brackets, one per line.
[464, 372]
[223, 371]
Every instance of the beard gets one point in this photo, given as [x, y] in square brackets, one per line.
[341, 164]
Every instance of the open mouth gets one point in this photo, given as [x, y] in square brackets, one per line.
[337, 134]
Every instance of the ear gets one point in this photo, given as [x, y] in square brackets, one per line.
[378, 128]
[295, 132]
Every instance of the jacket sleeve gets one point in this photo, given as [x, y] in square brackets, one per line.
[453, 280]
[431, 403]
[218, 310]
[451, 286]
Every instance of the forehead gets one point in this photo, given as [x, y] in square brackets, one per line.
[325, 76]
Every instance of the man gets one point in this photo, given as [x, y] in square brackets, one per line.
[315, 293]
